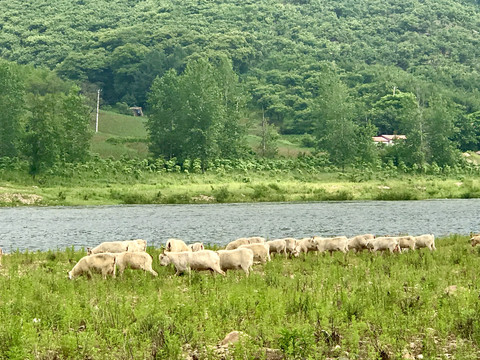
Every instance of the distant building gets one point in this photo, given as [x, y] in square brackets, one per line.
[137, 111]
[387, 139]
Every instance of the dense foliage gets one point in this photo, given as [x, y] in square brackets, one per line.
[341, 71]
[44, 119]
[197, 114]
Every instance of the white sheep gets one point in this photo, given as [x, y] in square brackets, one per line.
[187, 260]
[241, 258]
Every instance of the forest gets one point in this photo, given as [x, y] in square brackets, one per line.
[335, 73]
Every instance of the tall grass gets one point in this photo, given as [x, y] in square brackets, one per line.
[359, 306]
[129, 182]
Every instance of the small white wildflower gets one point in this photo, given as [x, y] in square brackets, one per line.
[35, 320]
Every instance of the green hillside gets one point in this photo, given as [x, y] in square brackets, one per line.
[277, 47]
[336, 72]
[122, 135]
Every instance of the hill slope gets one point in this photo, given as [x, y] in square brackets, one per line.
[121, 45]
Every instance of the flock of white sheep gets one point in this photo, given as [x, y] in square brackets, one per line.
[239, 254]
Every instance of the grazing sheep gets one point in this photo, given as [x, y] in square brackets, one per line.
[134, 260]
[291, 246]
[235, 244]
[176, 245]
[339, 243]
[103, 263]
[256, 240]
[306, 245]
[475, 240]
[359, 242]
[138, 245]
[383, 244]
[406, 242]
[278, 246]
[196, 246]
[425, 241]
[187, 260]
[261, 253]
[241, 258]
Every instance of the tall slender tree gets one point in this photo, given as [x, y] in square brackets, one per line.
[76, 126]
[43, 133]
[11, 109]
[334, 110]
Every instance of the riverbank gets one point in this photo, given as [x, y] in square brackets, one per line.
[358, 306]
[271, 186]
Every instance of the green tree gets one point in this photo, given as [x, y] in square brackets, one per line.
[202, 111]
[43, 133]
[165, 116]
[393, 111]
[11, 109]
[269, 136]
[335, 130]
[366, 151]
[75, 117]
[196, 114]
[413, 151]
[231, 139]
[467, 134]
[440, 128]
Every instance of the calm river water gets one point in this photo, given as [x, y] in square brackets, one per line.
[43, 228]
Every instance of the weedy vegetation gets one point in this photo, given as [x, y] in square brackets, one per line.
[355, 306]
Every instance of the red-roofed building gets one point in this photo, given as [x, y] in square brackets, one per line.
[388, 139]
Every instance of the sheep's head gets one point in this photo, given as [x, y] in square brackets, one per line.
[164, 259]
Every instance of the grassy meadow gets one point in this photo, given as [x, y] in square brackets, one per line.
[358, 306]
[248, 186]
[121, 174]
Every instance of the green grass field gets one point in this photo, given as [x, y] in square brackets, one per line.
[251, 186]
[358, 306]
[127, 130]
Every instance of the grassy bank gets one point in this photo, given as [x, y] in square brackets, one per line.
[359, 306]
[171, 188]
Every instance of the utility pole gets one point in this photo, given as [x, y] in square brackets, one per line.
[264, 133]
[98, 107]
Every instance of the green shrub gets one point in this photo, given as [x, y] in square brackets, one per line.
[222, 194]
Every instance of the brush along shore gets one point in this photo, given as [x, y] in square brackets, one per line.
[211, 188]
[354, 306]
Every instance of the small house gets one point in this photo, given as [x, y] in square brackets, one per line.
[388, 139]
[137, 111]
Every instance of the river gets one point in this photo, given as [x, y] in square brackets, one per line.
[44, 228]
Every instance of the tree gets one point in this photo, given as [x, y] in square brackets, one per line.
[268, 145]
[165, 116]
[11, 109]
[231, 139]
[440, 127]
[196, 114]
[335, 130]
[393, 111]
[467, 134]
[203, 111]
[57, 130]
[413, 151]
[43, 133]
[76, 126]
[366, 150]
